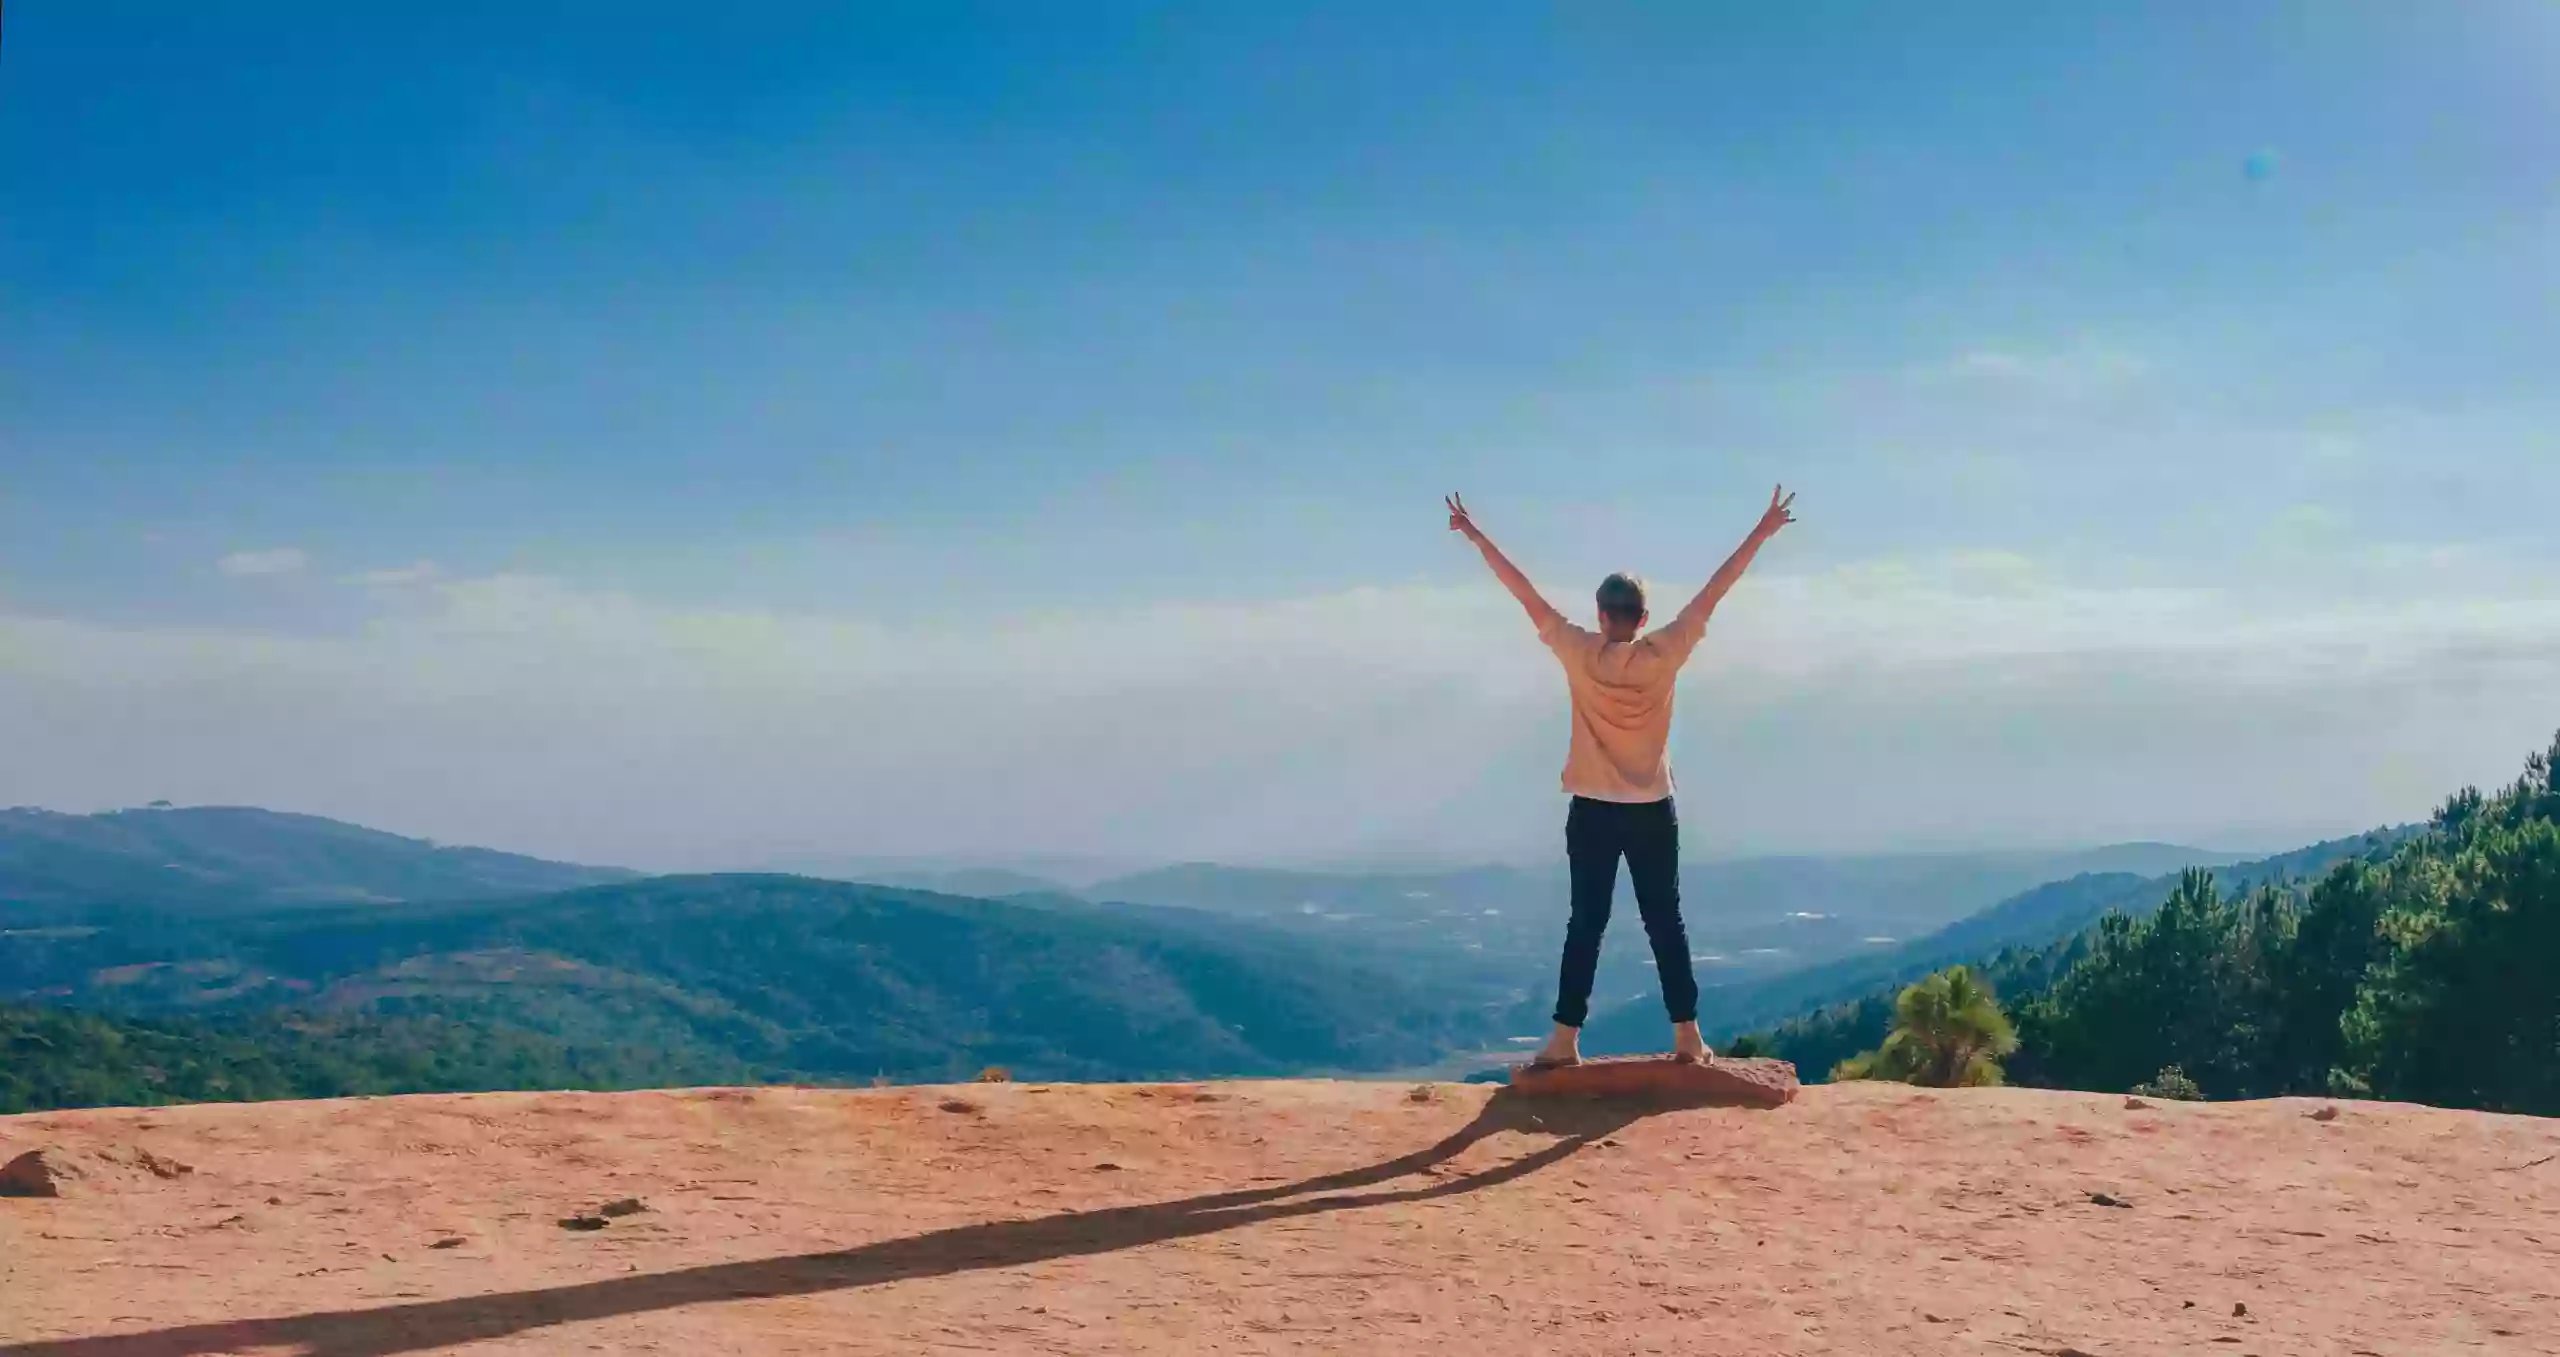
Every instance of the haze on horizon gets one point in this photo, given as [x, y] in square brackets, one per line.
[682, 437]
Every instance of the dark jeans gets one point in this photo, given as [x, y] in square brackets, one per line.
[1648, 834]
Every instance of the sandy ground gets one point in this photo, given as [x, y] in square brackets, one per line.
[1288, 1217]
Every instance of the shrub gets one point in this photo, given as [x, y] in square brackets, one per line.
[1948, 1032]
[2171, 1083]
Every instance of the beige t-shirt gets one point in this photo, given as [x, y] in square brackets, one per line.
[1621, 704]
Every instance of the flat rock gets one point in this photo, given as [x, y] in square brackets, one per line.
[1716, 1083]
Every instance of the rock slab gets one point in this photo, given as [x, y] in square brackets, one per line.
[1714, 1083]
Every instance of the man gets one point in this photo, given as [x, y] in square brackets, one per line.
[1619, 775]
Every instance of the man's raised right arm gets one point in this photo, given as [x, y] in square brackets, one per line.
[1540, 611]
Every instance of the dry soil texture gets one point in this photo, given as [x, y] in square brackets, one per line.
[1282, 1217]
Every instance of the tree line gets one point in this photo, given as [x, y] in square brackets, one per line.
[53, 1058]
[2428, 972]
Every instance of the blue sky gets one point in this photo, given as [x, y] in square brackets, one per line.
[702, 432]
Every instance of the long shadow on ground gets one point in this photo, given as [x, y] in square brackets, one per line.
[386, 1330]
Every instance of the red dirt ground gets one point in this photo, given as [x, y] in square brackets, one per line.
[1305, 1217]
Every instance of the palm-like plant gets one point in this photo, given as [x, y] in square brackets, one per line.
[1948, 1032]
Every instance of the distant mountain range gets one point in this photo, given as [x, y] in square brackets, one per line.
[1904, 892]
[227, 857]
[374, 957]
[1747, 917]
[790, 977]
[235, 916]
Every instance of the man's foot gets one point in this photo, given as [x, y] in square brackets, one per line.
[1564, 1047]
[1687, 1045]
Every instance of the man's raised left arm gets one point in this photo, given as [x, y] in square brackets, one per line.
[1685, 629]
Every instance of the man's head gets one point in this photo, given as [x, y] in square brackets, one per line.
[1622, 613]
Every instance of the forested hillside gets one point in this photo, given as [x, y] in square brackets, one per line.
[2426, 970]
[763, 977]
[2421, 964]
[2032, 922]
[54, 1057]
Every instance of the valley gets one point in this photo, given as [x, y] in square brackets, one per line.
[308, 957]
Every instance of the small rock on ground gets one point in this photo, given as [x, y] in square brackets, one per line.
[37, 1173]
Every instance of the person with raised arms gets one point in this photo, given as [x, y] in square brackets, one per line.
[1617, 771]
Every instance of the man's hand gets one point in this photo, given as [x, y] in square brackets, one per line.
[1777, 516]
[1460, 522]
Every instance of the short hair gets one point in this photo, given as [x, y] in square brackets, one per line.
[1622, 596]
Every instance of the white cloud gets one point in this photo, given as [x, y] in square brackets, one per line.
[273, 561]
[399, 577]
[1968, 697]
